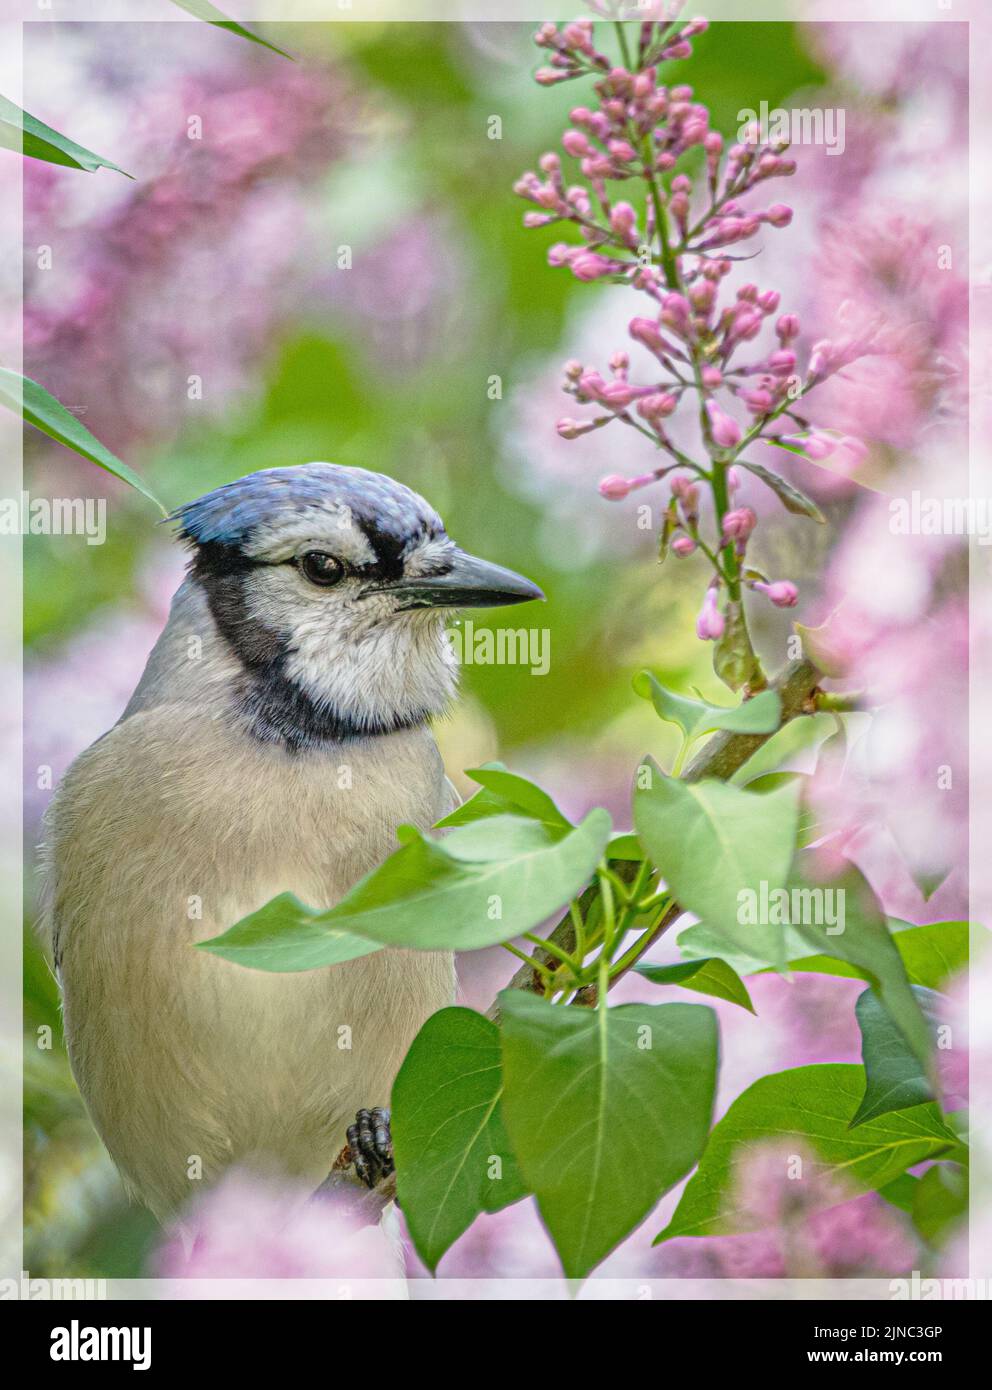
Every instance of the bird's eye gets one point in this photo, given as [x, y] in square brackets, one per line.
[321, 568]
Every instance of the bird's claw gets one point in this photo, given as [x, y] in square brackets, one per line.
[370, 1145]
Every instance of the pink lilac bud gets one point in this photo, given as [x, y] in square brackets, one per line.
[726, 431]
[779, 215]
[709, 623]
[782, 362]
[683, 545]
[820, 357]
[622, 150]
[818, 446]
[573, 429]
[738, 524]
[617, 394]
[702, 295]
[538, 219]
[759, 401]
[547, 77]
[769, 301]
[656, 406]
[614, 488]
[576, 144]
[588, 266]
[733, 480]
[573, 369]
[783, 593]
[712, 377]
[787, 327]
[623, 219]
[646, 331]
[675, 312]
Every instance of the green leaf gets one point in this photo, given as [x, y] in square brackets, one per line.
[715, 846]
[606, 1110]
[940, 1201]
[894, 1077]
[865, 941]
[760, 715]
[26, 398]
[286, 935]
[711, 976]
[627, 847]
[808, 1109]
[901, 1192]
[482, 884]
[27, 135]
[791, 498]
[202, 9]
[933, 954]
[504, 793]
[453, 1156]
[734, 660]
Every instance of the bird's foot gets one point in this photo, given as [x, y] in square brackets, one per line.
[370, 1145]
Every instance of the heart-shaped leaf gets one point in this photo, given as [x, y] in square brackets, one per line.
[722, 851]
[606, 1110]
[505, 793]
[482, 884]
[711, 976]
[805, 1109]
[453, 1156]
[760, 715]
[895, 1078]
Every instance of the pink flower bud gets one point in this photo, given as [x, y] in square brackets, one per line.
[623, 219]
[712, 377]
[738, 524]
[588, 266]
[572, 429]
[683, 545]
[726, 431]
[646, 331]
[787, 327]
[617, 394]
[782, 362]
[759, 401]
[709, 623]
[783, 593]
[733, 480]
[769, 301]
[675, 312]
[656, 406]
[779, 215]
[575, 143]
[614, 488]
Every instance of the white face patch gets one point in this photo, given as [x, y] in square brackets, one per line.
[352, 653]
[330, 528]
[427, 556]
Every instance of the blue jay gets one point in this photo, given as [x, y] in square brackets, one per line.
[278, 736]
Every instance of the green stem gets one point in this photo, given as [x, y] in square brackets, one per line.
[553, 949]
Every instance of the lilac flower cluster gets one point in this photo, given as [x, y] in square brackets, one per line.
[671, 244]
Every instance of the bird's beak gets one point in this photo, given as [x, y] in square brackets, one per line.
[469, 583]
